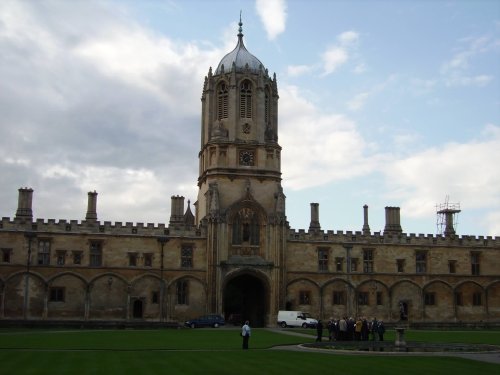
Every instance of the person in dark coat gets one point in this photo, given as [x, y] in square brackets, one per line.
[364, 330]
[331, 329]
[381, 330]
[319, 331]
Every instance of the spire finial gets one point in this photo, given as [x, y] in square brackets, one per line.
[240, 29]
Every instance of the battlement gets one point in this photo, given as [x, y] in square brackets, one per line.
[97, 227]
[420, 239]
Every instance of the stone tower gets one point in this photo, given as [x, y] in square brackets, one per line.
[240, 197]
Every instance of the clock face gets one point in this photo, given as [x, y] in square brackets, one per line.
[246, 157]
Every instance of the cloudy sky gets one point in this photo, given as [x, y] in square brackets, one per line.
[385, 103]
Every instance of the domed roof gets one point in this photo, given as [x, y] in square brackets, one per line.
[240, 57]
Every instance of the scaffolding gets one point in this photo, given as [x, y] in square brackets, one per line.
[447, 217]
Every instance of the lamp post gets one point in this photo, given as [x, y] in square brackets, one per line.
[162, 240]
[30, 236]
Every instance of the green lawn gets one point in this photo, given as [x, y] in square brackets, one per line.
[212, 351]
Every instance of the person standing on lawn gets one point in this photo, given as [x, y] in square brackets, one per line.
[246, 332]
[381, 330]
[319, 331]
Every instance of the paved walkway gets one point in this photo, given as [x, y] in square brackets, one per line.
[491, 357]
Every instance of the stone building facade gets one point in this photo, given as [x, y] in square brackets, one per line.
[236, 255]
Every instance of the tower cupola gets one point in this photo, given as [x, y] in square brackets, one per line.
[239, 58]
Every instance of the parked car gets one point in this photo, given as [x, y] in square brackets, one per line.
[211, 320]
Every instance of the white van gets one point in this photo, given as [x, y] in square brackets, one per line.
[295, 319]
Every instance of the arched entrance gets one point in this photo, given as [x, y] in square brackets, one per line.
[246, 298]
[137, 310]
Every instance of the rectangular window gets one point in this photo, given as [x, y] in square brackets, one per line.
[429, 299]
[400, 265]
[339, 298]
[362, 298]
[322, 260]
[304, 297]
[132, 259]
[379, 298]
[339, 264]
[44, 252]
[421, 262]
[474, 262]
[61, 257]
[458, 299]
[452, 266]
[182, 292]
[476, 299]
[148, 260]
[77, 257]
[56, 294]
[6, 253]
[95, 253]
[155, 297]
[354, 264]
[187, 256]
[368, 261]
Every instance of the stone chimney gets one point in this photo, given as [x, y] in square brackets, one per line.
[24, 211]
[366, 227]
[314, 225]
[392, 221]
[177, 210]
[91, 206]
[449, 215]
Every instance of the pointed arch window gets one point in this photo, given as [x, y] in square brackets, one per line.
[246, 228]
[246, 99]
[222, 100]
[182, 291]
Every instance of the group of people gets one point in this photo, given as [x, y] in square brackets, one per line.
[349, 329]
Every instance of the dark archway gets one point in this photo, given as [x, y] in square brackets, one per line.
[138, 309]
[245, 298]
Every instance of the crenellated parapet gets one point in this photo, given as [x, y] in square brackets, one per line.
[358, 237]
[96, 227]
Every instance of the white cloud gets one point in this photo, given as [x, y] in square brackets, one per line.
[298, 70]
[321, 147]
[457, 71]
[358, 101]
[347, 38]
[461, 80]
[115, 98]
[464, 171]
[272, 13]
[422, 86]
[337, 55]
[360, 68]
[333, 58]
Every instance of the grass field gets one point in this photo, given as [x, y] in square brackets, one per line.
[214, 351]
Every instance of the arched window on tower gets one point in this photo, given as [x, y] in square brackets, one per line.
[246, 99]
[222, 100]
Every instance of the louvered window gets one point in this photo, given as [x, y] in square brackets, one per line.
[222, 100]
[246, 100]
